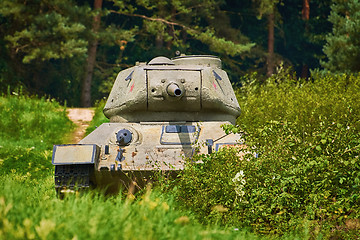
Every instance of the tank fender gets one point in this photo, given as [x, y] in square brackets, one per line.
[75, 154]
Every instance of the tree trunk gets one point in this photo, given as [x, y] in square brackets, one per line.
[271, 41]
[305, 16]
[304, 71]
[306, 10]
[90, 61]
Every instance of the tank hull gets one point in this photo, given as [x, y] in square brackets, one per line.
[154, 147]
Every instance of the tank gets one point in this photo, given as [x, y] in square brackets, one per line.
[161, 113]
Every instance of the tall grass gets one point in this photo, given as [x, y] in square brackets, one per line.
[32, 121]
[29, 211]
[29, 128]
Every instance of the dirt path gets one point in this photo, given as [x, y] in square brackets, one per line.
[81, 117]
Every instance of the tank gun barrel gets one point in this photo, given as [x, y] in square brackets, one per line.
[174, 90]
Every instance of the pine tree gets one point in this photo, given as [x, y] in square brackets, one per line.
[43, 44]
[43, 30]
[343, 44]
[174, 23]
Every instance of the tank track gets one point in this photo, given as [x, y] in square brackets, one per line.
[75, 177]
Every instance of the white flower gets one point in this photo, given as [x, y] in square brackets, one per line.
[239, 183]
[238, 176]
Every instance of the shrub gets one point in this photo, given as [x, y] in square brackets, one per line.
[307, 174]
[326, 98]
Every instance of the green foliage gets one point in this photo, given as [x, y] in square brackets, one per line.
[209, 188]
[297, 178]
[329, 98]
[220, 44]
[44, 43]
[175, 24]
[266, 7]
[343, 44]
[299, 171]
[45, 30]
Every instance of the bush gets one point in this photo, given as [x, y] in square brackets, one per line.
[324, 98]
[307, 174]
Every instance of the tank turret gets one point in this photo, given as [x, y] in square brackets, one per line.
[186, 88]
[160, 114]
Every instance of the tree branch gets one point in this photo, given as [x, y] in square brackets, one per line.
[151, 19]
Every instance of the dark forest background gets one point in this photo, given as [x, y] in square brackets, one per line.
[72, 50]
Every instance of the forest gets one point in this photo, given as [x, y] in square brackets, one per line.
[72, 50]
